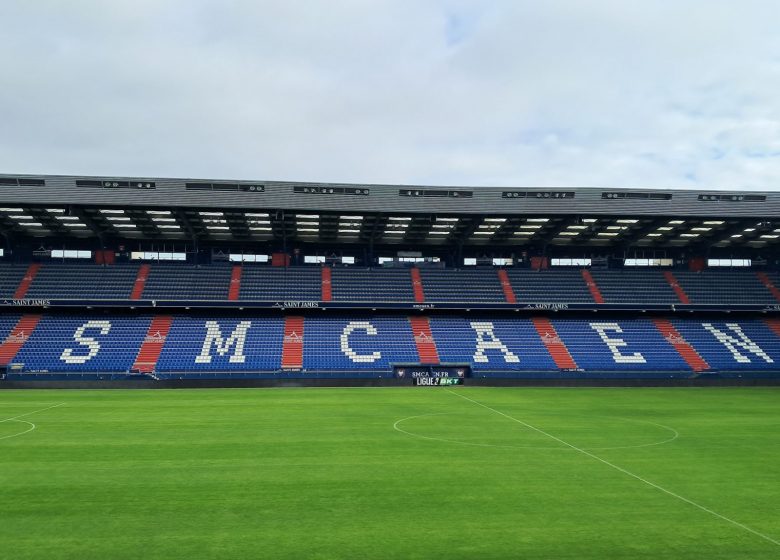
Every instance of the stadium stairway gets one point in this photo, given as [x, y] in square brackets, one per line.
[686, 351]
[140, 282]
[506, 286]
[235, 283]
[762, 276]
[292, 346]
[24, 286]
[327, 286]
[423, 339]
[419, 294]
[18, 336]
[675, 285]
[555, 346]
[592, 286]
[152, 346]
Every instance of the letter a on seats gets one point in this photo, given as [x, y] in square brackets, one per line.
[347, 349]
[743, 342]
[214, 338]
[487, 340]
[92, 345]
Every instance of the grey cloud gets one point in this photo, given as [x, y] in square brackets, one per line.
[617, 93]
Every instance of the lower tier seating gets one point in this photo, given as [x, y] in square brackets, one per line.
[370, 343]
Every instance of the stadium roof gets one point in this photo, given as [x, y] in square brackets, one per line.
[215, 210]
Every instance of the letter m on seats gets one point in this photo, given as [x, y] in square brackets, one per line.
[222, 345]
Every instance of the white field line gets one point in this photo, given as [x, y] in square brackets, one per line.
[397, 427]
[621, 469]
[27, 431]
[33, 412]
[32, 426]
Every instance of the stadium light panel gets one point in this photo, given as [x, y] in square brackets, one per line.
[447, 219]
[11, 209]
[307, 230]
[770, 236]
[308, 223]
[20, 216]
[539, 220]
[256, 214]
[626, 221]
[159, 212]
[308, 216]
[676, 222]
[253, 228]
[529, 226]
[118, 218]
[440, 232]
[351, 217]
[399, 219]
[31, 224]
[211, 213]
[589, 220]
[111, 211]
[55, 210]
[496, 220]
[168, 226]
[607, 233]
[714, 223]
[349, 231]
[689, 235]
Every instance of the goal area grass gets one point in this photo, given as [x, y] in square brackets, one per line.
[386, 473]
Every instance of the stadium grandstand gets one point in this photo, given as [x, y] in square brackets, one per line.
[169, 279]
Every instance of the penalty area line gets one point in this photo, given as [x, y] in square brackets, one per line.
[33, 412]
[621, 469]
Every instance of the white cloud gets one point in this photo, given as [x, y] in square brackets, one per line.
[618, 93]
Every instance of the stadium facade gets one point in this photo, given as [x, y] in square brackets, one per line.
[140, 278]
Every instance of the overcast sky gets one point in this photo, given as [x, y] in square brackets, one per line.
[651, 93]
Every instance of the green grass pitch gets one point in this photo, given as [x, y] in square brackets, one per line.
[426, 473]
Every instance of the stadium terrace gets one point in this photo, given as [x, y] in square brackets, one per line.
[143, 278]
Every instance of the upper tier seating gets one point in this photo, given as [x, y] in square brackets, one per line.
[372, 284]
[549, 286]
[263, 283]
[724, 286]
[83, 281]
[465, 285]
[180, 282]
[365, 343]
[634, 286]
[167, 281]
[10, 277]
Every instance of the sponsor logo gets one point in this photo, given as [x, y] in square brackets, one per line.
[28, 302]
[293, 338]
[296, 304]
[547, 306]
[156, 338]
[424, 306]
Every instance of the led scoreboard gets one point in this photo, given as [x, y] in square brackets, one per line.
[433, 375]
[437, 381]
